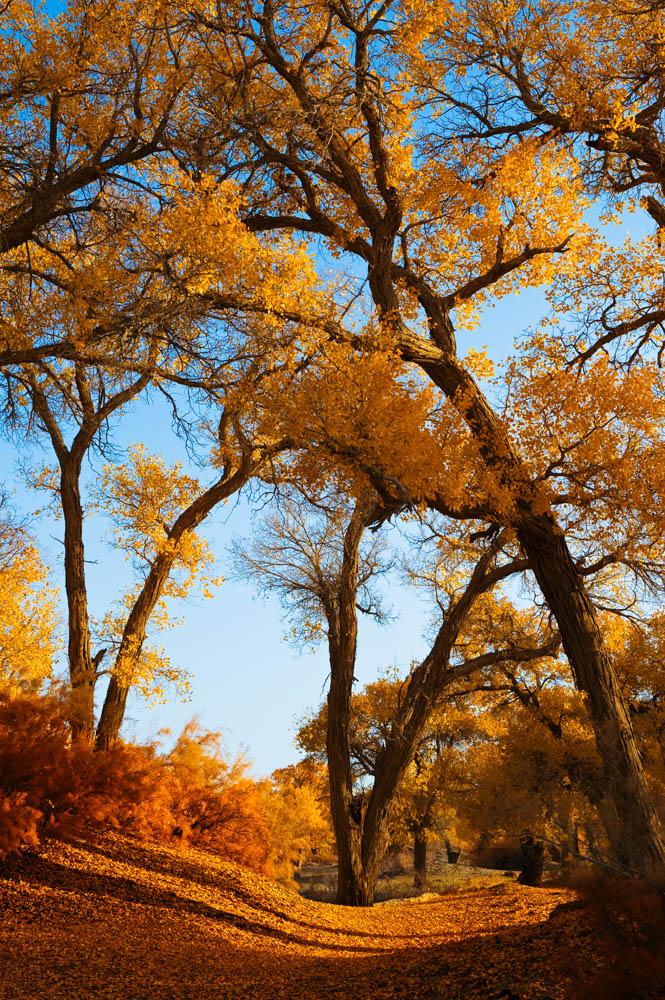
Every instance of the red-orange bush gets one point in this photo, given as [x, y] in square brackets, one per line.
[217, 806]
[50, 786]
[18, 823]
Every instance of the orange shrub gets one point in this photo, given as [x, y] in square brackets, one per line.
[217, 805]
[50, 786]
[18, 823]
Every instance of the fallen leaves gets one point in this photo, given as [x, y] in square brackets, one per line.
[121, 919]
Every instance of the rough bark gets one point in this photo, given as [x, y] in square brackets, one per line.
[631, 821]
[420, 859]
[81, 667]
[112, 714]
[355, 880]
[634, 831]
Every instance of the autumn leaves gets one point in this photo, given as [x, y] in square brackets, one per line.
[276, 218]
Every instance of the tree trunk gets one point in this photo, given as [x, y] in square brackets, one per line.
[358, 870]
[113, 713]
[357, 856]
[591, 845]
[136, 626]
[420, 859]
[533, 857]
[81, 667]
[634, 831]
[632, 824]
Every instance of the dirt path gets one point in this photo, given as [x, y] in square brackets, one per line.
[124, 921]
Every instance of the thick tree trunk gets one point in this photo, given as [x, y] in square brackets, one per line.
[634, 831]
[420, 859]
[632, 824]
[533, 857]
[358, 870]
[81, 666]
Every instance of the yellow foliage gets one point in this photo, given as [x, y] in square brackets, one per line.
[28, 615]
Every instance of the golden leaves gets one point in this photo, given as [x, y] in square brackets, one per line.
[172, 916]
[28, 616]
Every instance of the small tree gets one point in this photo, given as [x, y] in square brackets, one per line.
[299, 817]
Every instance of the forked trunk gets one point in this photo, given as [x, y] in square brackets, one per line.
[360, 851]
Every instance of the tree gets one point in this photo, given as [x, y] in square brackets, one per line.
[158, 512]
[299, 817]
[421, 800]
[154, 270]
[590, 79]
[86, 96]
[352, 159]
[372, 153]
[322, 572]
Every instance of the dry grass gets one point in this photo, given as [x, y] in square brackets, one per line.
[319, 883]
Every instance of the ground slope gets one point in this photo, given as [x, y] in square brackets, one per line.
[126, 921]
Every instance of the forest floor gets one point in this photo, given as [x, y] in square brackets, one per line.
[122, 920]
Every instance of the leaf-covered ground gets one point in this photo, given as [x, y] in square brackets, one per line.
[126, 921]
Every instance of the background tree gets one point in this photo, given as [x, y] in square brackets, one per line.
[422, 802]
[29, 613]
[299, 816]
[318, 567]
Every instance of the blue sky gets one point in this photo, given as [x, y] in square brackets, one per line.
[246, 680]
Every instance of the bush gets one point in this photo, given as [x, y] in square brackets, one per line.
[51, 787]
[214, 802]
[630, 914]
[502, 854]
